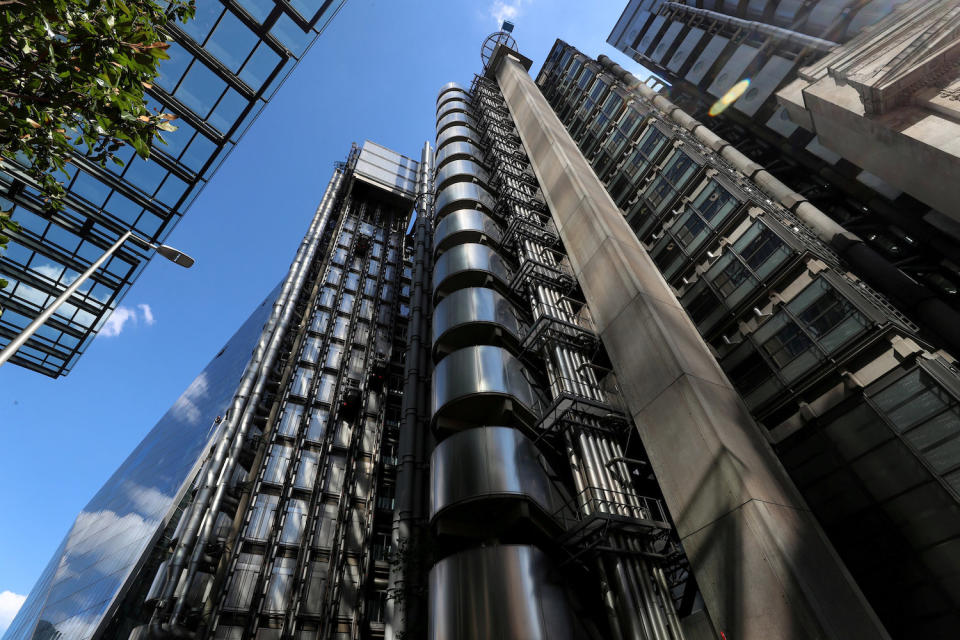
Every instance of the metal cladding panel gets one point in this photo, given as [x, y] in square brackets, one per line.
[623, 23]
[456, 134]
[457, 150]
[475, 305]
[450, 86]
[786, 12]
[469, 257]
[781, 123]
[463, 195]
[666, 41]
[477, 371]
[707, 57]
[489, 462]
[633, 31]
[732, 71]
[763, 85]
[388, 169]
[649, 35]
[465, 226]
[498, 592]
[465, 170]
[458, 118]
[452, 106]
[685, 49]
[112, 534]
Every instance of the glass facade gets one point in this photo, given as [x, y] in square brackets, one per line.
[108, 540]
[224, 66]
[294, 446]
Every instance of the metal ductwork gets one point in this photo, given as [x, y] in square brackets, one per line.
[456, 134]
[482, 384]
[465, 226]
[484, 480]
[498, 592]
[463, 195]
[475, 315]
[469, 265]
[461, 171]
[458, 151]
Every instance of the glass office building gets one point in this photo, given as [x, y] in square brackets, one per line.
[289, 434]
[224, 66]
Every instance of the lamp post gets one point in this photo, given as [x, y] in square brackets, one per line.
[169, 253]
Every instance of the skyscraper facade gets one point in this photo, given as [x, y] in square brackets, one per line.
[268, 486]
[480, 406]
[224, 66]
[841, 381]
[849, 103]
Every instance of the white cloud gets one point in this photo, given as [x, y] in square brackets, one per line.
[10, 603]
[185, 408]
[123, 315]
[147, 313]
[502, 10]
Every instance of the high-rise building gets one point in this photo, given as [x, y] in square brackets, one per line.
[224, 66]
[508, 420]
[849, 103]
[268, 486]
[860, 405]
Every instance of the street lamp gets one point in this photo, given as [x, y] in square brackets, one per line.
[169, 253]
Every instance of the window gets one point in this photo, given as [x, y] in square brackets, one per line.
[317, 424]
[244, 581]
[320, 321]
[311, 349]
[261, 516]
[327, 296]
[278, 588]
[757, 245]
[295, 522]
[277, 463]
[290, 420]
[928, 417]
[328, 383]
[335, 471]
[334, 354]
[827, 316]
[353, 281]
[341, 325]
[786, 344]
[302, 380]
[346, 303]
[333, 276]
[307, 470]
[728, 274]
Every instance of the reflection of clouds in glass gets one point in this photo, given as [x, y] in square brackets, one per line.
[87, 572]
[147, 499]
[185, 408]
[99, 551]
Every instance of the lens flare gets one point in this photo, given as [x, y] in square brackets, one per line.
[729, 97]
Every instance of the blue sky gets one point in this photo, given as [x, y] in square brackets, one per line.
[373, 74]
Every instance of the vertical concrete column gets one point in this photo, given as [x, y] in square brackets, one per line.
[763, 564]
